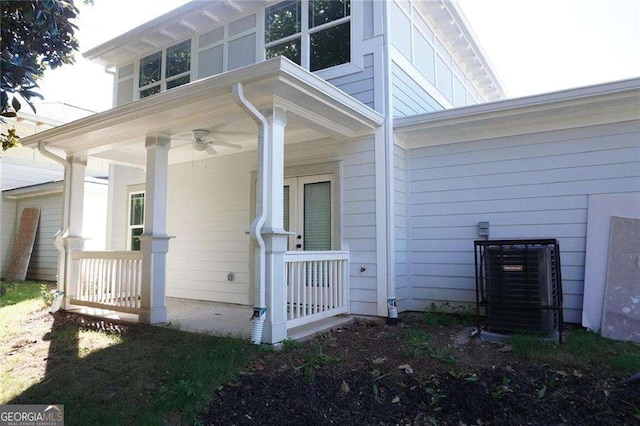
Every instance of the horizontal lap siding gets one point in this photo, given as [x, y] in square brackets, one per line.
[7, 231]
[409, 98]
[530, 186]
[358, 210]
[402, 273]
[360, 84]
[208, 213]
[209, 208]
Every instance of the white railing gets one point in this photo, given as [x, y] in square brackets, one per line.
[317, 285]
[107, 279]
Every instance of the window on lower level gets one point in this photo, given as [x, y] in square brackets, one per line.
[136, 219]
[165, 70]
[315, 34]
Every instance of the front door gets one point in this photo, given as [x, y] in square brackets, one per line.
[308, 212]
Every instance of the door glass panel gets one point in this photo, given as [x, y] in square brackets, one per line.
[287, 216]
[317, 216]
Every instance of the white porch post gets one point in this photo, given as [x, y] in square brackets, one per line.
[73, 216]
[154, 242]
[275, 237]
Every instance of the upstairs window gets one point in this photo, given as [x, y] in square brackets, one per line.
[165, 70]
[315, 34]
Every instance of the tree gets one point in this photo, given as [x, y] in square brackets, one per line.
[35, 35]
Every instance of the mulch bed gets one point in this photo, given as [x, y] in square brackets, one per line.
[369, 373]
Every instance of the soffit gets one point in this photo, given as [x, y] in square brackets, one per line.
[456, 32]
[196, 17]
[315, 109]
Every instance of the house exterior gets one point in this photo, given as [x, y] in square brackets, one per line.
[317, 158]
[29, 179]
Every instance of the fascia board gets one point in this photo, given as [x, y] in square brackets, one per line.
[589, 105]
[33, 190]
[94, 54]
[281, 68]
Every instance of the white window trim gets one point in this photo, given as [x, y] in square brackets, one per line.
[356, 62]
[163, 66]
[133, 190]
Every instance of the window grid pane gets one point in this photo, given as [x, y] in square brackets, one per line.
[282, 20]
[323, 11]
[331, 47]
[178, 58]
[150, 69]
[137, 209]
[178, 82]
[290, 50]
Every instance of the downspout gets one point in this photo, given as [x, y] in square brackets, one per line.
[392, 309]
[264, 145]
[64, 226]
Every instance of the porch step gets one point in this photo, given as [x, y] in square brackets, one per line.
[307, 331]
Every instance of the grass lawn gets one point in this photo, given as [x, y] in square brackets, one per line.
[105, 373]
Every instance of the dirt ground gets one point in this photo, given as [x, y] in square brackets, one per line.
[369, 373]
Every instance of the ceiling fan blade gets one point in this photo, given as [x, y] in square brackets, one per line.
[210, 150]
[229, 145]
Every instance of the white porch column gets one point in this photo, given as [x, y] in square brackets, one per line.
[275, 237]
[154, 242]
[72, 213]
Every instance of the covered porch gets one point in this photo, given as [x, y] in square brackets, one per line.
[251, 113]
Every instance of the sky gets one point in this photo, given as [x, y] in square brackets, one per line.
[535, 46]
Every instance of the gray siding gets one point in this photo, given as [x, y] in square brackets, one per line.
[409, 98]
[359, 85]
[532, 186]
[402, 255]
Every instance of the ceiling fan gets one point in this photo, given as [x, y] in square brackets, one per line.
[203, 142]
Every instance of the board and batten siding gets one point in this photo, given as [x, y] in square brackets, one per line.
[409, 98]
[527, 186]
[209, 213]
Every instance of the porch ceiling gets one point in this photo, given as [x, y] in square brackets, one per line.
[315, 109]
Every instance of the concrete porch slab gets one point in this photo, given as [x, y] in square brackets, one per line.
[210, 317]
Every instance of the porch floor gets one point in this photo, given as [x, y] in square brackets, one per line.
[191, 315]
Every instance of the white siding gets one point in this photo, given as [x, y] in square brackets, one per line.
[209, 213]
[529, 186]
[94, 223]
[119, 178]
[7, 231]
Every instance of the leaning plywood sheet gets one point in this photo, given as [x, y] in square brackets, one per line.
[23, 244]
[621, 313]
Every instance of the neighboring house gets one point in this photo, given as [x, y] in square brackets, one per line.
[349, 177]
[28, 179]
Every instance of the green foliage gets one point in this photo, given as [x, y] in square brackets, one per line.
[36, 35]
[313, 361]
[582, 350]
[16, 292]
[417, 341]
[448, 315]
[442, 354]
[290, 345]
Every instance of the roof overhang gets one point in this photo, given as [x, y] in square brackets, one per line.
[594, 105]
[315, 109]
[195, 17]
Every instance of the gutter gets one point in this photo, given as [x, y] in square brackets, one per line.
[264, 146]
[64, 226]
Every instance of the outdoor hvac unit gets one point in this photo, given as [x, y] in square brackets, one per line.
[518, 284]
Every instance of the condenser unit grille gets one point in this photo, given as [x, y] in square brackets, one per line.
[518, 285]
